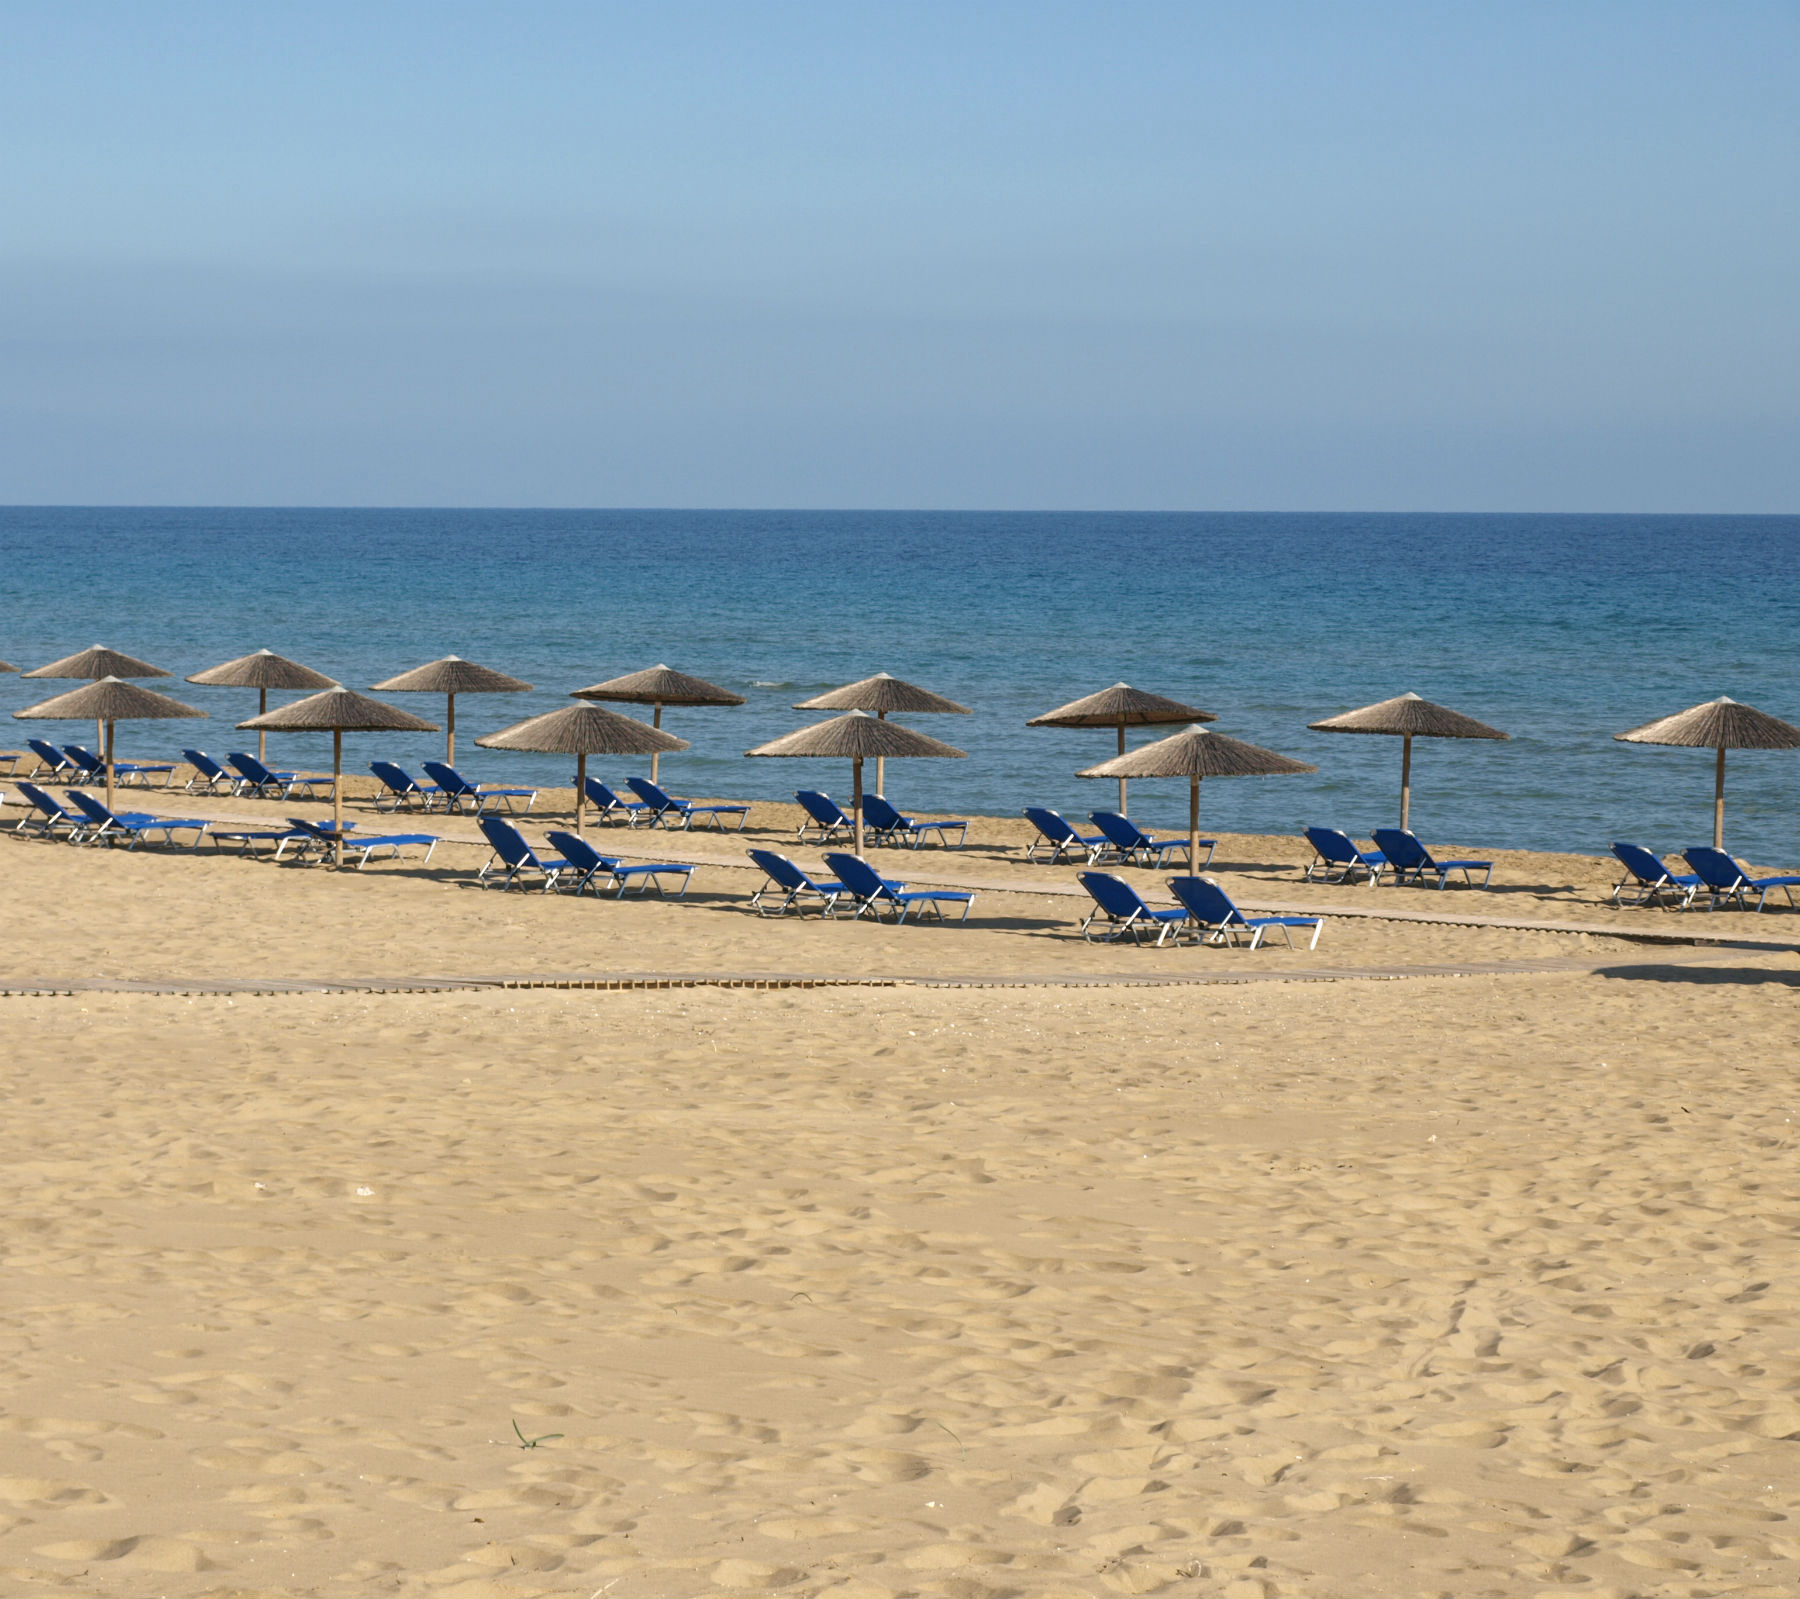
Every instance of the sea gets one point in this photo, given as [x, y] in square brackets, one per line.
[1561, 630]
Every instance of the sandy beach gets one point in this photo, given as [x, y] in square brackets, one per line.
[1454, 1265]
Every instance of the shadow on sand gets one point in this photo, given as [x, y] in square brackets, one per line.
[1701, 974]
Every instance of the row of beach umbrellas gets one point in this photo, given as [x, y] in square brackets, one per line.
[862, 733]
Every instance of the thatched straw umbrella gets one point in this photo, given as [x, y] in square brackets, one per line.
[857, 737]
[94, 663]
[1121, 706]
[1196, 753]
[338, 711]
[262, 671]
[581, 731]
[1721, 725]
[7, 666]
[1409, 717]
[658, 686]
[451, 676]
[883, 693]
[107, 702]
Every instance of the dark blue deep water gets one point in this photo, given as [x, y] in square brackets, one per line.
[1561, 629]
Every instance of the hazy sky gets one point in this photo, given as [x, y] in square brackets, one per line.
[1140, 255]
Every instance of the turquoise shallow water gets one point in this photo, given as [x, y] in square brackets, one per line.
[1561, 629]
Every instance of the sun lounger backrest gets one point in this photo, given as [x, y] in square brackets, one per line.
[508, 842]
[1714, 867]
[657, 798]
[880, 814]
[450, 780]
[203, 763]
[1640, 862]
[1120, 832]
[395, 777]
[44, 750]
[1112, 894]
[1050, 823]
[821, 807]
[251, 767]
[41, 799]
[857, 875]
[92, 808]
[579, 853]
[1331, 844]
[1205, 901]
[780, 870]
[1402, 848]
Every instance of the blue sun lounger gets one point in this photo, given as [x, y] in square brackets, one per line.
[873, 892]
[130, 827]
[1129, 842]
[1336, 851]
[91, 768]
[1056, 835]
[401, 789]
[891, 827]
[662, 806]
[458, 788]
[208, 774]
[1721, 878]
[782, 877]
[1217, 921]
[592, 869]
[46, 817]
[257, 779]
[1409, 858]
[365, 847]
[1124, 911]
[518, 857]
[1648, 880]
[51, 762]
[609, 804]
[824, 813]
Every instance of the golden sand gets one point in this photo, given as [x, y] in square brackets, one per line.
[1390, 1284]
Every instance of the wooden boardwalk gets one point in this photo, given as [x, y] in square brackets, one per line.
[435, 983]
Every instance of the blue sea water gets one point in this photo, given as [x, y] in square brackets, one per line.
[1560, 629]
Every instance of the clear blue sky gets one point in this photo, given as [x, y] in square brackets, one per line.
[1185, 256]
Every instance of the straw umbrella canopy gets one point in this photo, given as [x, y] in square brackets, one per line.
[338, 711]
[1121, 706]
[7, 666]
[1720, 725]
[883, 693]
[858, 737]
[106, 702]
[94, 663]
[451, 676]
[581, 731]
[1196, 753]
[262, 671]
[1408, 717]
[658, 686]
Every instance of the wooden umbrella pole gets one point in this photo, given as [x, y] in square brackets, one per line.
[881, 762]
[337, 795]
[109, 765]
[655, 755]
[580, 789]
[1719, 801]
[1194, 825]
[262, 733]
[1122, 810]
[1406, 782]
[450, 730]
[856, 798]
